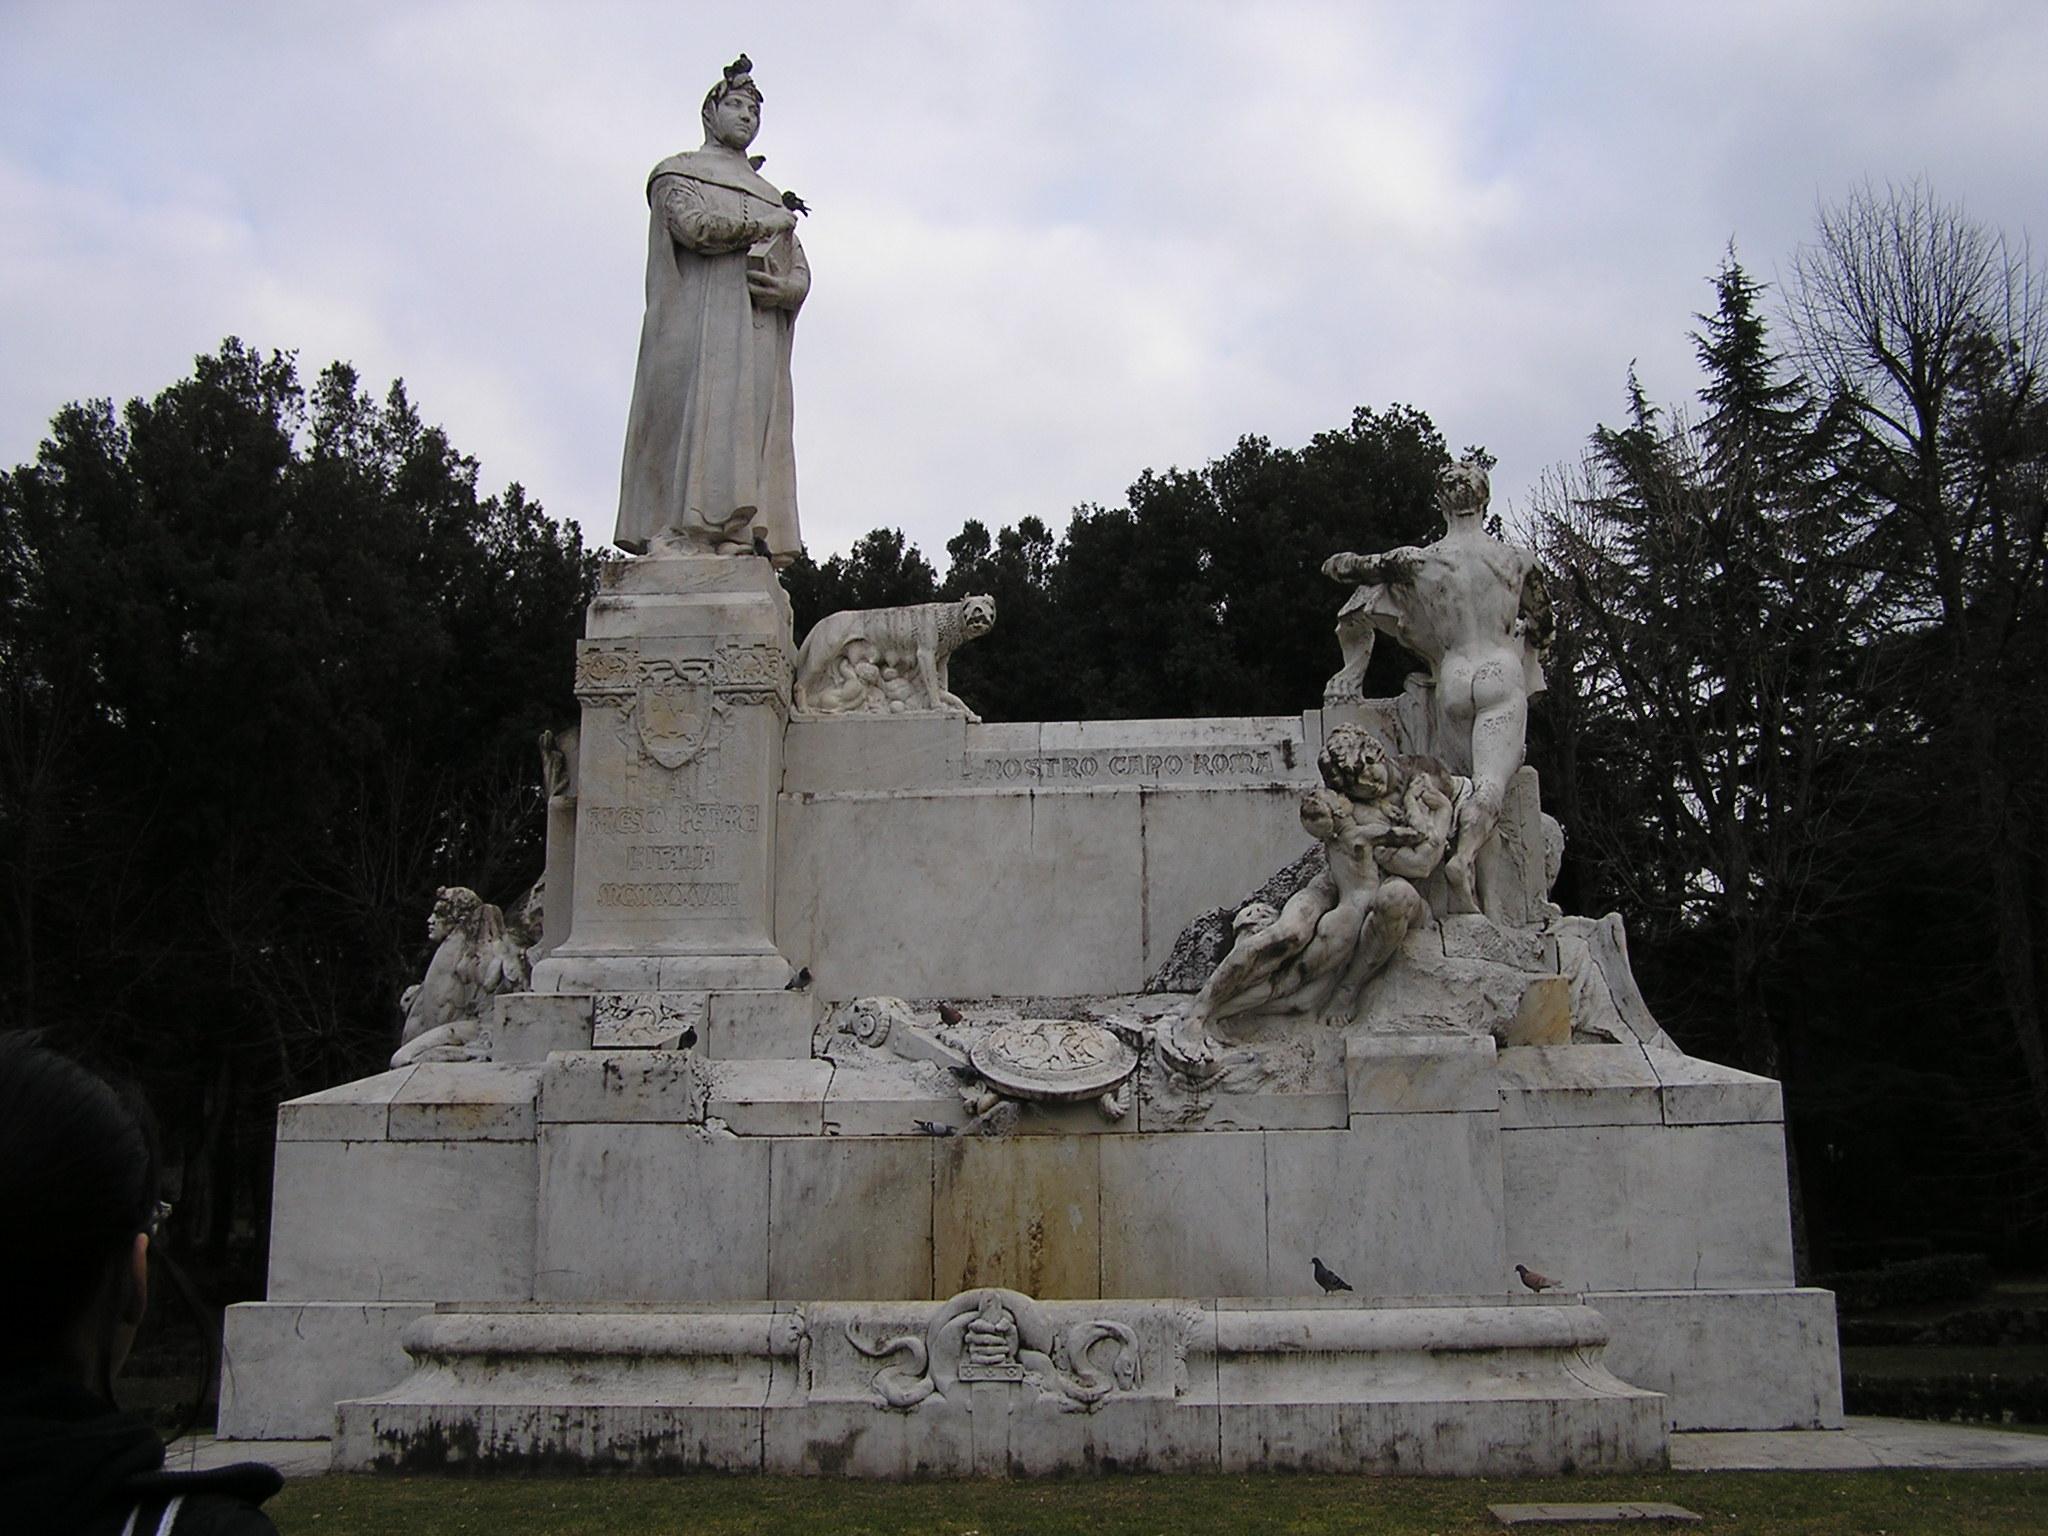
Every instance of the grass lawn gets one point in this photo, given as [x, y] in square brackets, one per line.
[1946, 1359]
[1753, 1503]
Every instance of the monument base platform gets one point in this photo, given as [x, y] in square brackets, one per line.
[575, 970]
[994, 1383]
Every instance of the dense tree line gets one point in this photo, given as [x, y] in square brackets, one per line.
[270, 671]
[1201, 595]
[1799, 727]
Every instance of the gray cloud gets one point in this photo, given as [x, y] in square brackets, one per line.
[1054, 244]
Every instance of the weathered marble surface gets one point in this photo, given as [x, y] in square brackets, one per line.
[1650, 1206]
[1412, 1163]
[559, 752]
[1384, 824]
[613, 1087]
[402, 1221]
[1760, 1358]
[1599, 1164]
[903, 843]
[1408, 1075]
[995, 1383]
[684, 683]
[284, 1365]
[812, 1258]
[528, 1025]
[769, 1097]
[747, 1026]
[1401, 1205]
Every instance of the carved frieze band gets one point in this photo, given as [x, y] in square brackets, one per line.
[993, 1335]
[612, 672]
[660, 1021]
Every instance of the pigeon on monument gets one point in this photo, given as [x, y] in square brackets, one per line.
[800, 982]
[1326, 1277]
[932, 1128]
[950, 1014]
[1534, 1281]
[794, 203]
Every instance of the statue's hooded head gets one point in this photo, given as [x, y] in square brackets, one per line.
[732, 108]
[1463, 491]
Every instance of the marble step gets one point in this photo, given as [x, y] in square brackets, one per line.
[995, 1383]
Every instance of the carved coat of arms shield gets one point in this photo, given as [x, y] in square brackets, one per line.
[674, 719]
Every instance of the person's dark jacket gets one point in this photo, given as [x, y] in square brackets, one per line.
[72, 1464]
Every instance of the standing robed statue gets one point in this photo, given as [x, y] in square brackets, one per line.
[710, 464]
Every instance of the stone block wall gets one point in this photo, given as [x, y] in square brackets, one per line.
[1425, 1166]
[931, 856]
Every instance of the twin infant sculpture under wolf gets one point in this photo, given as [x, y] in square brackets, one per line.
[888, 660]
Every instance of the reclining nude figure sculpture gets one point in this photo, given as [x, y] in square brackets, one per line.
[475, 958]
[1476, 609]
[710, 462]
[1384, 825]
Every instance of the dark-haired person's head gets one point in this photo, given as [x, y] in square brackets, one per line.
[79, 1203]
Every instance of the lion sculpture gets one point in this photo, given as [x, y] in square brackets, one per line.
[475, 958]
[888, 660]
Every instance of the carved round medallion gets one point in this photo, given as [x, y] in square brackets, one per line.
[1053, 1060]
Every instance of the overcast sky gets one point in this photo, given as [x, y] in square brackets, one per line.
[1053, 244]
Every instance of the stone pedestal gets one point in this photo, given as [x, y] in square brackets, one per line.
[1456, 1386]
[649, 1184]
[687, 1217]
[684, 680]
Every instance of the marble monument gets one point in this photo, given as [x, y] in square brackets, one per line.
[896, 1093]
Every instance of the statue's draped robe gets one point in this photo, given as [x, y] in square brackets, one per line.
[709, 449]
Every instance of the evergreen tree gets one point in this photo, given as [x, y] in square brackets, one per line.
[883, 570]
[1934, 331]
[270, 671]
[1719, 621]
